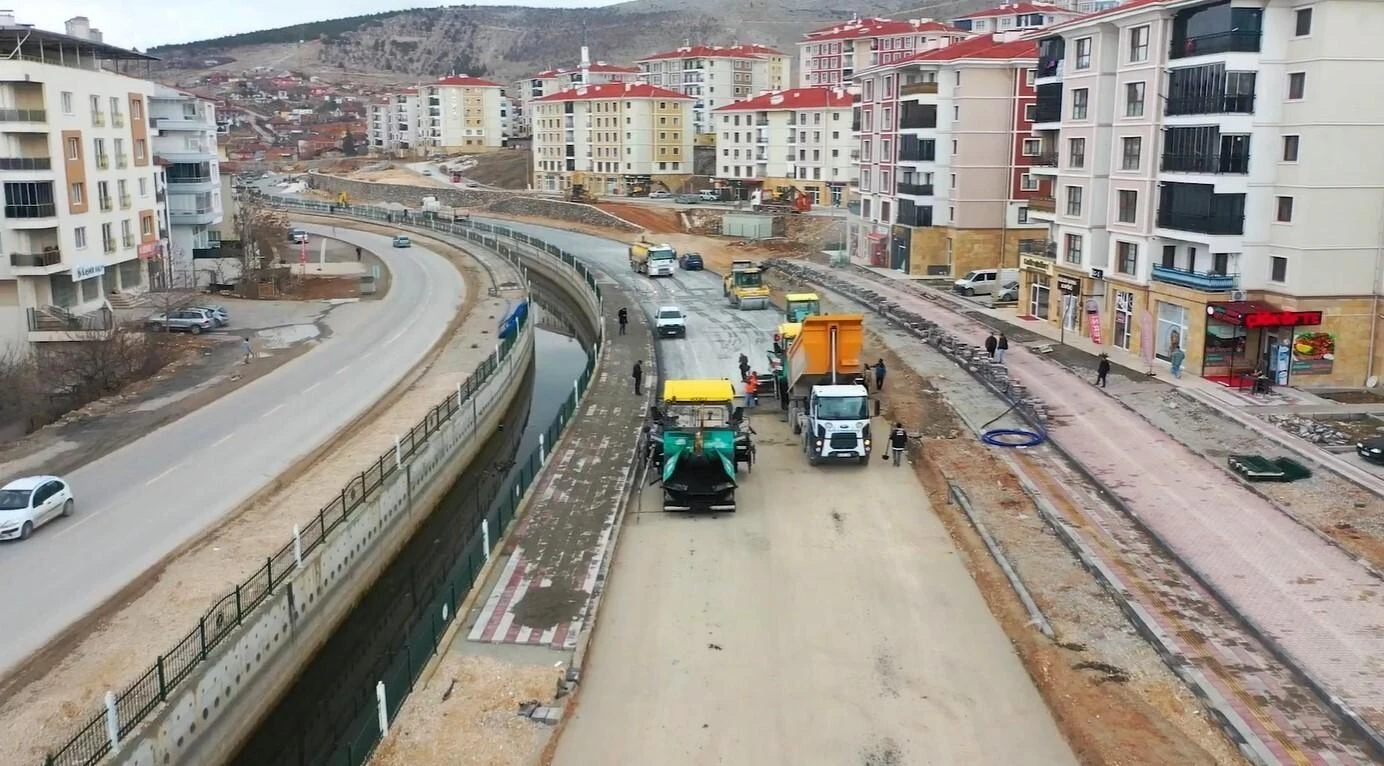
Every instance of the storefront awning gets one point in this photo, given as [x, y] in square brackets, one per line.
[876, 237]
[1255, 314]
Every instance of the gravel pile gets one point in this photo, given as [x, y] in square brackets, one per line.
[1310, 430]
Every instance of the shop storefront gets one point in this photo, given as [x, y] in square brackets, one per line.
[1245, 337]
[1070, 308]
[1122, 320]
[1035, 287]
[899, 249]
[1172, 329]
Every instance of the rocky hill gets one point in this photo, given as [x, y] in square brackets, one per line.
[509, 42]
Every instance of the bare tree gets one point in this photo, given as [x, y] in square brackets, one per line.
[100, 363]
[21, 397]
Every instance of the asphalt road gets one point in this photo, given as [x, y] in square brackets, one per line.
[138, 504]
[830, 620]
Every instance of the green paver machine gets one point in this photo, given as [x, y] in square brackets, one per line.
[697, 438]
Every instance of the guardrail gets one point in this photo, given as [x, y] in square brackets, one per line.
[123, 711]
[445, 597]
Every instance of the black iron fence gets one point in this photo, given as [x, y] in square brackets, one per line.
[126, 709]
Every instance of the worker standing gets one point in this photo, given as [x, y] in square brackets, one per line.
[752, 390]
[638, 375]
[898, 440]
[879, 375]
[623, 315]
[1102, 370]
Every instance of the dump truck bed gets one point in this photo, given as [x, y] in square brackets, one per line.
[809, 358]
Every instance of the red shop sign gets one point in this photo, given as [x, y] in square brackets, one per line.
[1283, 319]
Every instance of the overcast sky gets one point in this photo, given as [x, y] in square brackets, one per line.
[146, 23]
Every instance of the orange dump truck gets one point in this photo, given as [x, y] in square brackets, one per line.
[827, 404]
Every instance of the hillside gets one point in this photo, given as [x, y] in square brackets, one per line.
[508, 42]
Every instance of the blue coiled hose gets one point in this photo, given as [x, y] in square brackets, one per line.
[1012, 437]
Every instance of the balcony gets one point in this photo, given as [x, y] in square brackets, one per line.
[918, 89]
[917, 190]
[193, 216]
[1235, 164]
[98, 119]
[23, 115]
[1215, 225]
[914, 116]
[761, 121]
[118, 119]
[55, 323]
[182, 122]
[1194, 105]
[191, 180]
[1038, 247]
[127, 240]
[121, 161]
[103, 161]
[31, 211]
[26, 163]
[106, 204]
[1197, 280]
[36, 264]
[1042, 205]
[1232, 41]
[1045, 160]
[109, 245]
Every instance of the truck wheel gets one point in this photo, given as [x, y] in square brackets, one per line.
[864, 459]
[797, 426]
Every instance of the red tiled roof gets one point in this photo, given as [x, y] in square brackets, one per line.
[599, 66]
[1014, 9]
[614, 90]
[467, 80]
[716, 51]
[878, 27]
[794, 98]
[982, 48]
[1129, 5]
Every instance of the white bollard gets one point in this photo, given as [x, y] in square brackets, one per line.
[458, 396]
[485, 538]
[383, 711]
[445, 613]
[112, 722]
[298, 545]
[398, 454]
[322, 252]
[576, 393]
[542, 453]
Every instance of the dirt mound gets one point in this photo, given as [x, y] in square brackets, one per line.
[656, 220]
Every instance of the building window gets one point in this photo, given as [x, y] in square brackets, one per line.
[78, 194]
[1134, 99]
[1032, 147]
[1127, 258]
[1030, 76]
[1076, 152]
[1073, 249]
[139, 149]
[1023, 215]
[1290, 148]
[1285, 210]
[1083, 53]
[1297, 86]
[1030, 110]
[1080, 99]
[1028, 183]
[1128, 205]
[1073, 200]
[1138, 44]
[1302, 26]
[67, 109]
[1130, 149]
[74, 149]
[1278, 268]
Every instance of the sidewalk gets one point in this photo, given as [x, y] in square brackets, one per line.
[544, 589]
[1307, 597]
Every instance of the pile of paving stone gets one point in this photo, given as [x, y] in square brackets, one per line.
[972, 358]
[1311, 430]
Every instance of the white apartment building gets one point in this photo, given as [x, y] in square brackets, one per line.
[392, 125]
[716, 76]
[183, 129]
[84, 206]
[613, 138]
[798, 139]
[460, 114]
[831, 56]
[1217, 182]
[1014, 17]
[551, 81]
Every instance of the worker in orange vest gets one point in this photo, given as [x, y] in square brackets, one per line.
[752, 389]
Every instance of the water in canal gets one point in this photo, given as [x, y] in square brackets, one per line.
[335, 695]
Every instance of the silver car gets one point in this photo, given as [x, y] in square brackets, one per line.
[195, 321]
[1009, 293]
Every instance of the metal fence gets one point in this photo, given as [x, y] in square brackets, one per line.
[126, 709]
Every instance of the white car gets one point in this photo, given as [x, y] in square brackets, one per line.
[670, 322]
[28, 503]
[660, 194]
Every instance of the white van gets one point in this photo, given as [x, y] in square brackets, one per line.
[984, 281]
[710, 195]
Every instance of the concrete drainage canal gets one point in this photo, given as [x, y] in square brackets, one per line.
[329, 714]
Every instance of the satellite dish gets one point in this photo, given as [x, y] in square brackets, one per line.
[1372, 381]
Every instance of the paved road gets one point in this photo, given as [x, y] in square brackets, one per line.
[831, 596]
[139, 503]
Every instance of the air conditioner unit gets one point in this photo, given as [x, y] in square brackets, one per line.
[1238, 295]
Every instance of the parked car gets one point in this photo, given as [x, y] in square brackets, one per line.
[688, 199]
[1372, 449]
[401, 240]
[28, 503]
[690, 261]
[670, 322]
[195, 321]
[297, 236]
[219, 315]
[660, 194]
[984, 281]
[1009, 293]
[710, 195]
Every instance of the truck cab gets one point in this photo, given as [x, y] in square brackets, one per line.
[828, 406]
[838, 423]
[798, 306]
[697, 438]
[653, 260]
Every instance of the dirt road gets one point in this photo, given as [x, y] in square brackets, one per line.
[828, 621]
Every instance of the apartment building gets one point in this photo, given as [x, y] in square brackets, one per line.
[183, 131]
[715, 76]
[618, 138]
[460, 114]
[798, 139]
[551, 81]
[392, 124]
[945, 156]
[1013, 17]
[1217, 189]
[831, 56]
[83, 198]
